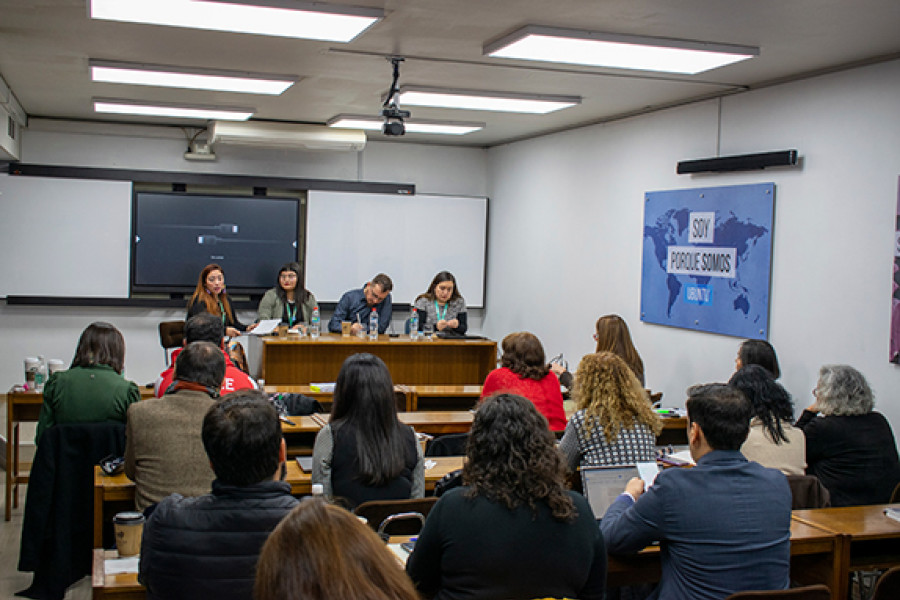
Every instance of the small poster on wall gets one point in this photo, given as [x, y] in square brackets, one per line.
[707, 259]
[895, 302]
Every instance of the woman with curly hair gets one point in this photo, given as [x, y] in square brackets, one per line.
[850, 447]
[614, 423]
[524, 371]
[512, 530]
[773, 441]
[322, 552]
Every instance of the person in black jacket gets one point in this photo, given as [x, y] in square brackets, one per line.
[850, 448]
[207, 547]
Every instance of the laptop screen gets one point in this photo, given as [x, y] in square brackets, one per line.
[602, 485]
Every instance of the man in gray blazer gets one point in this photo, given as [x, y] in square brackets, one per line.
[163, 448]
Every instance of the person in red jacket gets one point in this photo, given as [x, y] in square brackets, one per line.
[205, 327]
[524, 371]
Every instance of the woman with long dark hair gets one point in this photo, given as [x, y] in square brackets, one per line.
[93, 389]
[773, 441]
[512, 530]
[612, 335]
[365, 452]
[210, 296]
[524, 371]
[322, 552]
[758, 352]
[288, 300]
[442, 306]
[615, 423]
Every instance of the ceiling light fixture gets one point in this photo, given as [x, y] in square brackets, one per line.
[167, 109]
[617, 50]
[282, 18]
[412, 125]
[482, 100]
[180, 77]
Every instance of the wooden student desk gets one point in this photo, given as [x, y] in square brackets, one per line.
[111, 491]
[442, 397]
[295, 360]
[869, 540]
[24, 407]
[814, 559]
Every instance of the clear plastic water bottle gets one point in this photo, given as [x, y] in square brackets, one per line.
[314, 324]
[373, 324]
[414, 325]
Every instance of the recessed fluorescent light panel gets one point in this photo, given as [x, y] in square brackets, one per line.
[412, 125]
[198, 79]
[617, 51]
[282, 18]
[165, 109]
[481, 100]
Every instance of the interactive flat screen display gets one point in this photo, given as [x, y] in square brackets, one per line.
[175, 235]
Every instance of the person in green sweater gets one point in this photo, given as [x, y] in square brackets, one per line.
[93, 389]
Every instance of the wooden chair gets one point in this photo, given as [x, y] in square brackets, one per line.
[171, 335]
[888, 586]
[396, 517]
[895, 495]
[808, 492]
[810, 592]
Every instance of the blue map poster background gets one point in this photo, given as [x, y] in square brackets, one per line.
[707, 259]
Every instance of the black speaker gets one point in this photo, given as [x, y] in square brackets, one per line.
[739, 162]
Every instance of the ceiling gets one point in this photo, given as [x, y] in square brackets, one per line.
[45, 46]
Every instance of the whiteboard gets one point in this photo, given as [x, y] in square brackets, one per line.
[351, 237]
[64, 237]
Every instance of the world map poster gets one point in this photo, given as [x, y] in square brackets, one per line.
[707, 259]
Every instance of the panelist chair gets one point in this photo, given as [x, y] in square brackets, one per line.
[888, 585]
[171, 336]
[396, 517]
[809, 592]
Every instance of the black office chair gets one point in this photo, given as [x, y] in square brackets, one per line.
[809, 592]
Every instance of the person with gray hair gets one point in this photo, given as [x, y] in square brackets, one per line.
[849, 447]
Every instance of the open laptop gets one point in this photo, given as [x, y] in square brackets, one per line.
[602, 485]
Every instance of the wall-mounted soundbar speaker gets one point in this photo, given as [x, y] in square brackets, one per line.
[739, 162]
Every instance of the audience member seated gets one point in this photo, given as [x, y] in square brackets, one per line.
[93, 389]
[365, 452]
[758, 352]
[356, 305]
[288, 300]
[773, 440]
[442, 306]
[614, 423]
[724, 525]
[163, 447]
[850, 447]
[524, 371]
[322, 552]
[611, 335]
[512, 530]
[207, 547]
[210, 296]
[206, 328]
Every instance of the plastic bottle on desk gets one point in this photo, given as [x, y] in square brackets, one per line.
[414, 325]
[373, 324]
[314, 324]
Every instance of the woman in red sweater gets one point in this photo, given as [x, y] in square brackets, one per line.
[524, 372]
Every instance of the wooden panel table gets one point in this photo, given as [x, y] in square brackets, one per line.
[298, 361]
[117, 586]
[433, 397]
[110, 490]
[814, 555]
[870, 540]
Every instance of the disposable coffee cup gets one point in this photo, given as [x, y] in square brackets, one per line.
[282, 330]
[345, 328]
[54, 365]
[32, 366]
[129, 527]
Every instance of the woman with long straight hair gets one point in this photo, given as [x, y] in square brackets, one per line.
[612, 335]
[210, 296]
[365, 452]
[288, 300]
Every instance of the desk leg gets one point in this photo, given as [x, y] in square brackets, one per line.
[15, 465]
[9, 458]
[98, 516]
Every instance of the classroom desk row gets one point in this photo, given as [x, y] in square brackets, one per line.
[826, 545]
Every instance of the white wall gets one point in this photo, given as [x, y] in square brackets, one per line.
[53, 331]
[566, 221]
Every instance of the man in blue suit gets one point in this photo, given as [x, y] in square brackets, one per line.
[724, 525]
